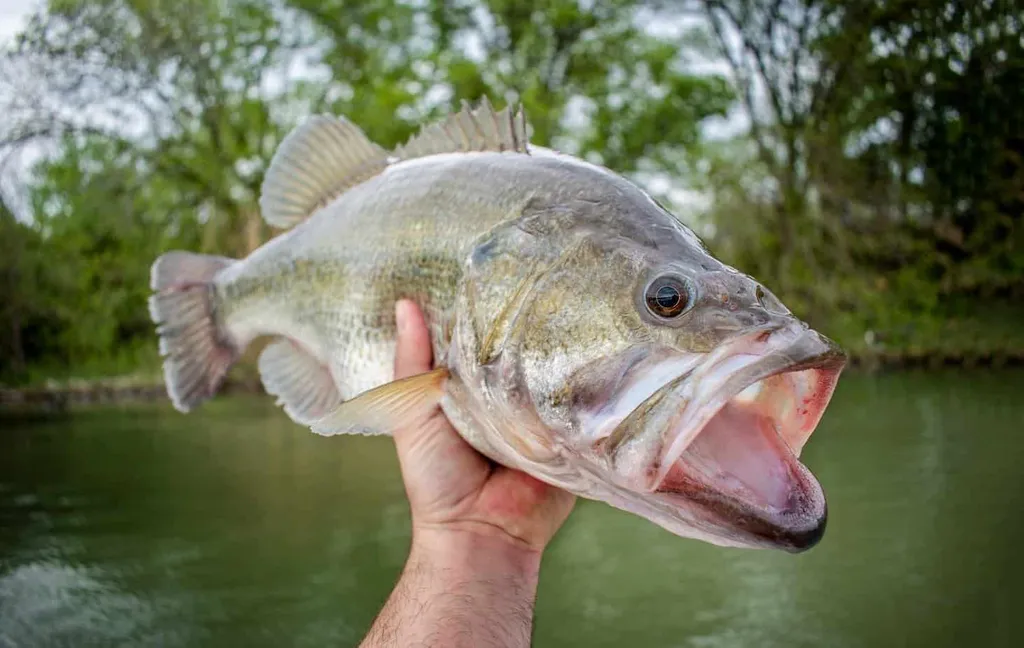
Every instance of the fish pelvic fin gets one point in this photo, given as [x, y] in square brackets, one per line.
[471, 129]
[197, 350]
[384, 409]
[317, 161]
[302, 384]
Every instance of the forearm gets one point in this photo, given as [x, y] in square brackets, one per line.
[460, 588]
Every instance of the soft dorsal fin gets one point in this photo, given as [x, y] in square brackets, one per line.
[316, 162]
[480, 129]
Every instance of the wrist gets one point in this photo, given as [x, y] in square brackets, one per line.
[469, 553]
[460, 588]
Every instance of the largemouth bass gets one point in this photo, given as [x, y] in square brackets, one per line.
[581, 332]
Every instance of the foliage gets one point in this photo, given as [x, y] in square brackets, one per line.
[946, 79]
[884, 163]
[19, 282]
[395, 65]
[878, 189]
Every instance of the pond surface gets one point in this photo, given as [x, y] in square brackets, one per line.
[232, 526]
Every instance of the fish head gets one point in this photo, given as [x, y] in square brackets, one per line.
[642, 371]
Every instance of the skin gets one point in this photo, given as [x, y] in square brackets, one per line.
[478, 530]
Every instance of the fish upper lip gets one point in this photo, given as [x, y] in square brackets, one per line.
[791, 347]
[807, 350]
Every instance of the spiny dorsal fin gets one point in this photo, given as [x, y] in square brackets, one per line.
[316, 162]
[482, 129]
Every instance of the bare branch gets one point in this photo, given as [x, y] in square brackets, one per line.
[746, 86]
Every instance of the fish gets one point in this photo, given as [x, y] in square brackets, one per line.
[582, 333]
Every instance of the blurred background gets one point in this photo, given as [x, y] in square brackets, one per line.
[863, 160]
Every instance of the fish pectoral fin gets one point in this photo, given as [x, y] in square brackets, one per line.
[315, 163]
[302, 384]
[386, 408]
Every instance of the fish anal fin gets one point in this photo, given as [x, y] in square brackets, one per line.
[386, 408]
[471, 129]
[315, 163]
[303, 385]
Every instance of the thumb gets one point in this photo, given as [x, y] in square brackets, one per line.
[418, 441]
[413, 353]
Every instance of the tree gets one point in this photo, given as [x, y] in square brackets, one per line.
[395, 65]
[940, 93]
[185, 89]
[884, 154]
[16, 291]
[106, 221]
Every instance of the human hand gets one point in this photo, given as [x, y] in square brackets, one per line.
[478, 530]
[452, 487]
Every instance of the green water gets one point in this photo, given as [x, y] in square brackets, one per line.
[233, 527]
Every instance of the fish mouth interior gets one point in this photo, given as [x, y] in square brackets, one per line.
[742, 468]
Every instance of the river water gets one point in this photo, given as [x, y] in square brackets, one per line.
[139, 526]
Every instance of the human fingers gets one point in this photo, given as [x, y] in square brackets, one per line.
[413, 353]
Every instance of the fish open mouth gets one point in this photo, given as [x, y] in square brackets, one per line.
[731, 433]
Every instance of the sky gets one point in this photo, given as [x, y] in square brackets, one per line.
[12, 16]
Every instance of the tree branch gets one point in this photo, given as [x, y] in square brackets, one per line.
[746, 87]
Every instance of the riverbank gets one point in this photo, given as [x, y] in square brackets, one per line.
[56, 396]
[895, 361]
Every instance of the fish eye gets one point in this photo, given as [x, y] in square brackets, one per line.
[667, 296]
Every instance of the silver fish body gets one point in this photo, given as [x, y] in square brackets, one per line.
[584, 334]
[330, 283]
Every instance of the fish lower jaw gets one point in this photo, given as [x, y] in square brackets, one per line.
[739, 475]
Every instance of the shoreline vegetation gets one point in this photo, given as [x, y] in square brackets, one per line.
[55, 396]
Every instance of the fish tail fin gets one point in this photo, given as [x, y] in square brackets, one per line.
[197, 349]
